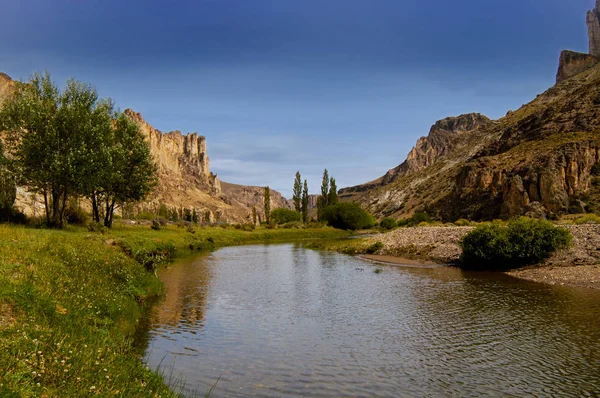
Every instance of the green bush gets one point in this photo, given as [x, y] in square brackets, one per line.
[388, 223]
[97, 227]
[348, 216]
[284, 216]
[374, 248]
[501, 247]
[587, 219]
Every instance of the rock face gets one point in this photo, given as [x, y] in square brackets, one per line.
[180, 158]
[442, 139]
[573, 63]
[537, 159]
[593, 24]
[243, 196]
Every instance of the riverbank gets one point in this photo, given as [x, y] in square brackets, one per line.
[70, 302]
[576, 266]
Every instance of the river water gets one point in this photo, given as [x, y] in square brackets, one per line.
[284, 321]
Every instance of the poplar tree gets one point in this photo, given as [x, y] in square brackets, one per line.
[254, 219]
[332, 197]
[305, 202]
[322, 201]
[267, 205]
[298, 192]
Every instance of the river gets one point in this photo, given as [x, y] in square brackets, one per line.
[285, 321]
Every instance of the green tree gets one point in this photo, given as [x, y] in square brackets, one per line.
[267, 200]
[323, 199]
[332, 196]
[305, 202]
[298, 192]
[132, 173]
[8, 187]
[348, 216]
[284, 216]
[194, 216]
[56, 138]
[254, 218]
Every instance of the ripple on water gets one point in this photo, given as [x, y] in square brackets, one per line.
[280, 320]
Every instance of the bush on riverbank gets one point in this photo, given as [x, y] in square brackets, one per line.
[523, 241]
[348, 216]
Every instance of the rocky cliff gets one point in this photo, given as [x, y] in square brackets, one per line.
[543, 158]
[244, 196]
[593, 24]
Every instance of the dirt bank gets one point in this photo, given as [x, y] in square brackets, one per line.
[577, 266]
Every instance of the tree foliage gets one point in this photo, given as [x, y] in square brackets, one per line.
[349, 216]
[71, 143]
[297, 197]
[284, 216]
[323, 199]
[332, 196]
[304, 208]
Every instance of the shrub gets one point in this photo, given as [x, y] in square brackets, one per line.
[523, 241]
[97, 227]
[374, 248]
[156, 225]
[75, 215]
[348, 216]
[284, 216]
[587, 219]
[293, 224]
[388, 223]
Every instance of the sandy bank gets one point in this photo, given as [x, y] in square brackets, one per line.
[577, 266]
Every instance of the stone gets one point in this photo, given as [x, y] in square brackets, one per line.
[593, 24]
[572, 63]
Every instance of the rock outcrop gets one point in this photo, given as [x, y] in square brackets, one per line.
[572, 63]
[181, 159]
[246, 197]
[593, 24]
[443, 137]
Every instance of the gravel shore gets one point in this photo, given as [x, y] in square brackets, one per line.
[576, 266]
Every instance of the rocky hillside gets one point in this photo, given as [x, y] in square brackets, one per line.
[243, 196]
[185, 179]
[535, 160]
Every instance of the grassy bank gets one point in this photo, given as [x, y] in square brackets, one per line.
[70, 302]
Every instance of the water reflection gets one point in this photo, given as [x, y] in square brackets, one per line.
[279, 320]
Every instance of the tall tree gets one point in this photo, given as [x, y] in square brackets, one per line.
[298, 192]
[8, 186]
[133, 173]
[305, 202]
[322, 200]
[254, 219]
[332, 197]
[267, 204]
[55, 138]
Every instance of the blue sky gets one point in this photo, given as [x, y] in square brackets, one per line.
[283, 85]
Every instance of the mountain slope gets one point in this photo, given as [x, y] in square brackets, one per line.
[543, 152]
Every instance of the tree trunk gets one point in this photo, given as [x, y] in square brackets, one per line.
[95, 211]
[46, 206]
[110, 208]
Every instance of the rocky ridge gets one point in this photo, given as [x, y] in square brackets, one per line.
[536, 160]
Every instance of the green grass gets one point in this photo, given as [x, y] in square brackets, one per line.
[70, 302]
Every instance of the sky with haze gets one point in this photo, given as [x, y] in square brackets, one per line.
[283, 85]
